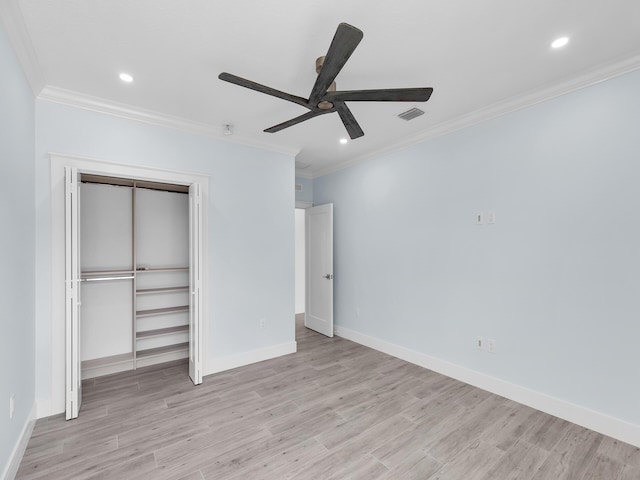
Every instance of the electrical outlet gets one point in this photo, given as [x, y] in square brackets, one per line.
[491, 345]
[480, 343]
[263, 322]
[12, 405]
[491, 217]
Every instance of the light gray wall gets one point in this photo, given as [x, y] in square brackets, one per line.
[555, 281]
[306, 195]
[17, 268]
[251, 223]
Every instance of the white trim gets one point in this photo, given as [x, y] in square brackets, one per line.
[303, 174]
[101, 105]
[43, 408]
[56, 403]
[253, 356]
[102, 370]
[303, 205]
[539, 95]
[11, 469]
[599, 422]
[20, 40]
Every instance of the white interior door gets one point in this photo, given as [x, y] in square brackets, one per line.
[319, 286]
[195, 283]
[72, 293]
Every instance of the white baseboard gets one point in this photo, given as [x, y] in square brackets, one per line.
[12, 466]
[109, 369]
[43, 408]
[246, 358]
[585, 417]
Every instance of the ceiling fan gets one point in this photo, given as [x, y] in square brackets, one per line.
[324, 98]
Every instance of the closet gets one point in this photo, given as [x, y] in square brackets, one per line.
[134, 273]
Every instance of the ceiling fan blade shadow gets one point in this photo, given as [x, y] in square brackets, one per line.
[381, 95]
[243, 82]
[296, 120]
[350, 122]
[344, 42]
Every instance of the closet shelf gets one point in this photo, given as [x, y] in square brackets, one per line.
[168, 269]
[162, 311]
[151, 352]
[105, 272]
[146, 291]
[158, 332]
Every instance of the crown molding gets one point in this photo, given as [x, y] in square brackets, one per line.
[533, 97]
[303, 174]
[20, 40]
[100, 105]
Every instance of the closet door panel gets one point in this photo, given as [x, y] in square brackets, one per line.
[162, 229]
[106, 318]
[106, 228]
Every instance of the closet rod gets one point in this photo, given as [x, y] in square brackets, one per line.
[99, 279]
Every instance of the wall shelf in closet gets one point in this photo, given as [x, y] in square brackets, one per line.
[167, 269]
[161, 311]
[93, 273]
[152, 352]
[148, 291]
[158, 332]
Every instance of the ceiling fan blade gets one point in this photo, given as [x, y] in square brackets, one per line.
[243, 82]
[350, 123]
[295, 121]
[342, 46]
[384, 95]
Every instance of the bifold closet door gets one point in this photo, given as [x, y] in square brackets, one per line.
[73, 384]
[195, 284]
[106, 219]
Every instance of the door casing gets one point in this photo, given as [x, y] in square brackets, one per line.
[58, 330]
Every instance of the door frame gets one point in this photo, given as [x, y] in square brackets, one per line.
[106, 168]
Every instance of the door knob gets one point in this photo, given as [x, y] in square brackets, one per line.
[328, 276]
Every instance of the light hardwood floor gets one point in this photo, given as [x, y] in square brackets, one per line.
[334, 410]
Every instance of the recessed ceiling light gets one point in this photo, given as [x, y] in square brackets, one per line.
[343, 141]
[560, 42]
[125, 77]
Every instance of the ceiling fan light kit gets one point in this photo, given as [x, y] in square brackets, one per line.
[324, 97]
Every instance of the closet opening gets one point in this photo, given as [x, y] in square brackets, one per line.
[133, 277]
[134, 261]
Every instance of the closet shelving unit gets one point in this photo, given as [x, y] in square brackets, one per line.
[159, 324]
[152, 312]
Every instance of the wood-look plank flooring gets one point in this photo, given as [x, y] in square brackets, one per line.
[334, 410]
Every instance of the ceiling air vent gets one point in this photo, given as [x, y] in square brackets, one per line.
[298, 187]
[411, 114]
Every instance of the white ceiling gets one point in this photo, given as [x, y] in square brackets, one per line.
[482, 58]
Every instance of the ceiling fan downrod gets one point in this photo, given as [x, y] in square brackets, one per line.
[325, 105]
